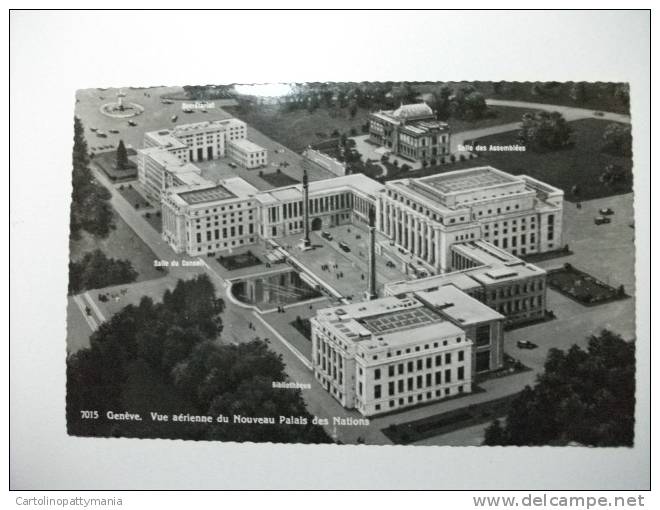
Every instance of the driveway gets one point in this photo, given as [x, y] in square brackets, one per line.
[569, 113]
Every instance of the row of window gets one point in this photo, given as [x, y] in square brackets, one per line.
[414, 366]
[420, 397]
[416, 383]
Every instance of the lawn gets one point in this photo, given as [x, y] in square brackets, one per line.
[239, 261]
[278, 179]
[498, 115]
[581, 164]
[133, 196]
[155, 220]
[583, 288]
[107, 162]
[303, 326]
[299, 129]
[121, 243]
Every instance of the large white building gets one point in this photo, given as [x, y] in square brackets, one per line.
[395, 352]
[168, 157]
[217, 217]
[425, 217]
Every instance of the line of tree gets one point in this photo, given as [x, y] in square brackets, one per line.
[464, 103]
[583, 396]
[90, 207]
[178, 339]
[95, 270]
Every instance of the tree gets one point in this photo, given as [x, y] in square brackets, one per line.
[95, 271]
[353, 109]
[90, 208]
[618, 139]
[586, 397]
[122, 156]
[615, 175]
[545, 131]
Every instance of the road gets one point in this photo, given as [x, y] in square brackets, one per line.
[570, 114]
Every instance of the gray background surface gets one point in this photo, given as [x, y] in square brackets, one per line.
[53, 54]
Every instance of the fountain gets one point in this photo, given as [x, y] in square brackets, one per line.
[120, 109]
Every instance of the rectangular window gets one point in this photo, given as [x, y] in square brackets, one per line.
[483, 335]
[377, 374]
[447, 376]
[377, 391]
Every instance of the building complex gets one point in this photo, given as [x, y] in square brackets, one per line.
[459, 234]
[411, 131]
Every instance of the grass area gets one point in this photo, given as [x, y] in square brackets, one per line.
[121, 243]
[278, 179]
[299, 129]
[303, 326]
[133, 196]
[239, 261]
[406, 433]
[582, 287]
[581, 164]
[107, 162]
[497, 115]
[155, 220]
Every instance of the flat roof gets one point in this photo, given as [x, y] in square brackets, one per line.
[247, 145]
[458, 306]
[401, 320]
[218, 192]
[469, 179]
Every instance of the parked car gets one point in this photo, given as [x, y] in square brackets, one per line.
[600, 220]
[389, 263]
[344, 246]
[113, 131]
[526, 344]
[132, 123]
[233, 165]
[101, 134]
[606, 211]
[327, 235]
[92, 129]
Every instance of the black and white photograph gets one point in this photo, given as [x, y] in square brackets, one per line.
[442, 263]
[244, 248]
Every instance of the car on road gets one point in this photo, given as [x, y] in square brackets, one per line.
[606, 211]
[327, 235]
[599, 114]
[92, 129]
[232, 165]
[600, 220]
[113, 131]
[101, 134]
[526, 344]
[174, 118]
[389, 263]
[344, 246]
